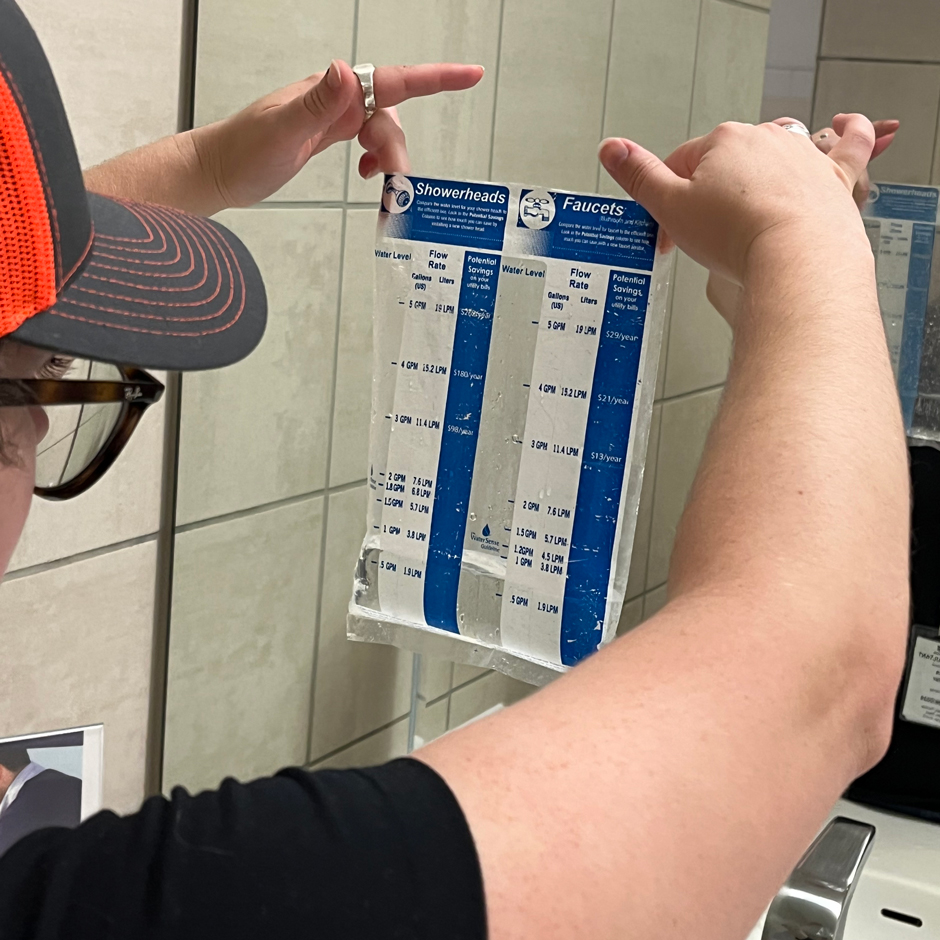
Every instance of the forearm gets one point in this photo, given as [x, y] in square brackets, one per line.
[804, 478]
[172, 171]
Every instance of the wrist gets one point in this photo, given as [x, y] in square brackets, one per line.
[202, 148]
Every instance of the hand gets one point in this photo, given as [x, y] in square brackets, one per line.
[253, 153]
[718, 196]
[885, 132]
[727, 297]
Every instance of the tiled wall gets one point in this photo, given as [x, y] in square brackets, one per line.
[272, 460]
[883, 58]
[273, 451]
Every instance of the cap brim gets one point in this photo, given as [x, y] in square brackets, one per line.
[159, 289]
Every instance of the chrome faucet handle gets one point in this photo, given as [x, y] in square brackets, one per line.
[814, 902]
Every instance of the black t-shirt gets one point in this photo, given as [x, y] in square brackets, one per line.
[375, 853]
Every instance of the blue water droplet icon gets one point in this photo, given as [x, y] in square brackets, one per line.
[486, 531]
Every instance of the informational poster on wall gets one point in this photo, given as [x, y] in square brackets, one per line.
[901, 221]
[49, 779]
[516, 336]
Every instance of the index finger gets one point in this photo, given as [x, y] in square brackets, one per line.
[854, 148]
[397, 83]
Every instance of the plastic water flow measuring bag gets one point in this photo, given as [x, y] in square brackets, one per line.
[516, 343]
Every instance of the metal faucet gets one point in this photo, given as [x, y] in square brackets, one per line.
[814, 902]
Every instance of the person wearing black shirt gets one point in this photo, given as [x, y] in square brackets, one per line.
[667, 785]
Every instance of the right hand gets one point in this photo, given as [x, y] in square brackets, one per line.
[728, 298]
[718, 196]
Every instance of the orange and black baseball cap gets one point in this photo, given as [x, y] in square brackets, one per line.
[102, 278]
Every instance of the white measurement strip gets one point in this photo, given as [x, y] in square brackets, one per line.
[415, 423]
[550, 469]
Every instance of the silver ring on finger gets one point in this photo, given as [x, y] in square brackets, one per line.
[365, 72]
[797, 129]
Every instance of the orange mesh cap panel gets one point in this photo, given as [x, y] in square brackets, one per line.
[27, 257]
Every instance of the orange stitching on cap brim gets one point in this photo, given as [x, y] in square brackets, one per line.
[236, 278]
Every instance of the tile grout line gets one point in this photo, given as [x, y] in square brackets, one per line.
[499, 60]
[44, 566]
[610, 46]
[671, 310]
[265, 507]
[324, 534]
[756, 8]
[871, 61]
[345, 747]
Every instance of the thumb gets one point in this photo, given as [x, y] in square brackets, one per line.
[643, 175]
[325, 101]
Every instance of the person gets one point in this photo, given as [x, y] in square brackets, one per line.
[664, 787]
[34, 797]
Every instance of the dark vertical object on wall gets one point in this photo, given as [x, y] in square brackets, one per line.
[166, 539]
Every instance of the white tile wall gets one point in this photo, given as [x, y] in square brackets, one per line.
[247, 50]
[349, 459]
[684, 427]
[649, 87]
[873, 29]
[241, 647]
[732, 47]
[910, 93]
[550, 99]
[359, 686]
[448, 135]
[257, 432]
[117, 65]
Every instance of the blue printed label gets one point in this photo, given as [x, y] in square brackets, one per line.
[603, 465]
[459, 438]
[469, 214]
[909, 203]
[593, 229]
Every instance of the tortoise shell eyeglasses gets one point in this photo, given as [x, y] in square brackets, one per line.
[92, 413]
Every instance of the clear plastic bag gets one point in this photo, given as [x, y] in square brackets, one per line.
[516, 343]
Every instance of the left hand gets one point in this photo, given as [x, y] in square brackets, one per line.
[726, 296]
[253, 153]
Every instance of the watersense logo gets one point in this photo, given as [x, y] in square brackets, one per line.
[398, 194]
[485, 542]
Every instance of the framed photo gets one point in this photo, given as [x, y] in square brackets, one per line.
[49, 779]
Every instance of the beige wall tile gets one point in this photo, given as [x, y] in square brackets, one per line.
[124, 505]
[551, 92]
[436, 677]
[448, 135]
[641, 543]
[684, 427]
[476, 698]
[257, 431]
[910, 93]
[349, 460]
[875, 29]
[649, 89]
[699, 339]
[729, 70]
[359, 686]
[631, 616]
[117, 64]
[431, 723]
[248, 49]
[800, 109]
[241, 645]
[935, 178]
[464, 674]
[654, 601]
[76, 651]
[377, 748]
